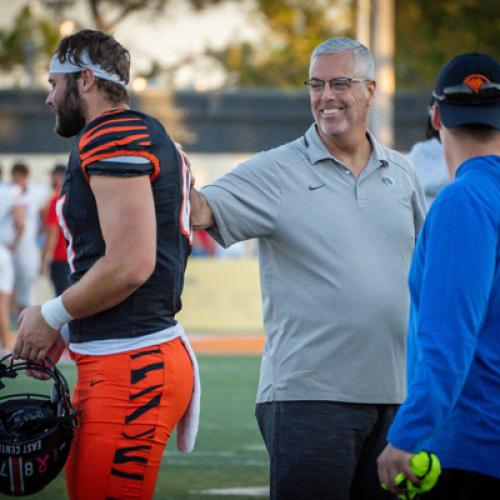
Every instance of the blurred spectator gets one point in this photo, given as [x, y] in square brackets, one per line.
[54, 256]
[427, 158]
[27, 252]
[11, 228]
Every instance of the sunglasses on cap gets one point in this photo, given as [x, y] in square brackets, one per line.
[486, 93]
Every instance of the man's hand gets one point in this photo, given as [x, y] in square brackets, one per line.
[390, 463]
[54, 354]
[34, 338]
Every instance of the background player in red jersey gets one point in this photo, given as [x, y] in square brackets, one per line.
[54, 255]
[125, 214]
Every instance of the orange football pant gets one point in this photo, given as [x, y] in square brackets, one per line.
[128, 404]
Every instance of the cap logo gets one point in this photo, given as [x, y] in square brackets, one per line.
[474, 82]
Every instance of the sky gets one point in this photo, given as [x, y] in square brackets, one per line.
[171, 37]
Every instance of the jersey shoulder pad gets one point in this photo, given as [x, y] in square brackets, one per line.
[116, 135]
[113, 132]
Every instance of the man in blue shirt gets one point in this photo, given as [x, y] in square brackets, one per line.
[453, 402]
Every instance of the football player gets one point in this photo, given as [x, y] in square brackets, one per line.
[125, 214]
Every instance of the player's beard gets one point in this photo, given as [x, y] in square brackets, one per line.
[70, 115]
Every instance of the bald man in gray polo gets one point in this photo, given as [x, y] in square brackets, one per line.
[335, 245]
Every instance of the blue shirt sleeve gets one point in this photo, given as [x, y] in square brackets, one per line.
[451, 279]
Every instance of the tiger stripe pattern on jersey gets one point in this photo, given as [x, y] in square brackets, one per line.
[117, 137]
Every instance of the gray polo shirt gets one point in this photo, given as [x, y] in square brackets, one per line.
[334, 254]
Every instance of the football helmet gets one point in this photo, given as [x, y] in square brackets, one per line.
[36, 430]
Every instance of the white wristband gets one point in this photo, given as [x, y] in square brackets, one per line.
[55, 314]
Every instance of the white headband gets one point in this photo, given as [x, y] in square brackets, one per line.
[56, 66]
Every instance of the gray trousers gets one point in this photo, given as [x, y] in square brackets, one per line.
[324, 450]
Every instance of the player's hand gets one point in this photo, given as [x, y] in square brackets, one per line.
[54, 355]
[390, 463]
[34, 337]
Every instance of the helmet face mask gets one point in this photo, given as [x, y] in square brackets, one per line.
[35, 431]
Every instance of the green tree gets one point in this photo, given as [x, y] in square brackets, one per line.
[39, 32]
[293, 29]
[430, 32]
[31, 36]
[107, 14]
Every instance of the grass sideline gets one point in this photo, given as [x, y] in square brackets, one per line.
[229, 452]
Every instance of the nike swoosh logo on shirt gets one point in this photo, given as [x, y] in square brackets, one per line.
[95, 382]
[313, 188]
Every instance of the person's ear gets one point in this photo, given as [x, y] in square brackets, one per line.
[87, 80]
[372, 85]
[436, 118]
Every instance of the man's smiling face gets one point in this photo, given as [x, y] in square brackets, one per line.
[338, 115]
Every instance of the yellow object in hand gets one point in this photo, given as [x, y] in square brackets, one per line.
[427, 468]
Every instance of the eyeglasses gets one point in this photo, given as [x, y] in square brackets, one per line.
[338, 85]
[488, 93]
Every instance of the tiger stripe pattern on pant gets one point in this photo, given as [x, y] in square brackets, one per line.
[129, 403]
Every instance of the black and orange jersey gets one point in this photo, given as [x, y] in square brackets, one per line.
[128, 143]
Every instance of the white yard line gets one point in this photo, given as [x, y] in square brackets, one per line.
[248, 491]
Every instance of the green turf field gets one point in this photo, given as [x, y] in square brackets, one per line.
[229, 452]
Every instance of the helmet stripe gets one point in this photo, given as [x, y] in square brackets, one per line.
[16, 475]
